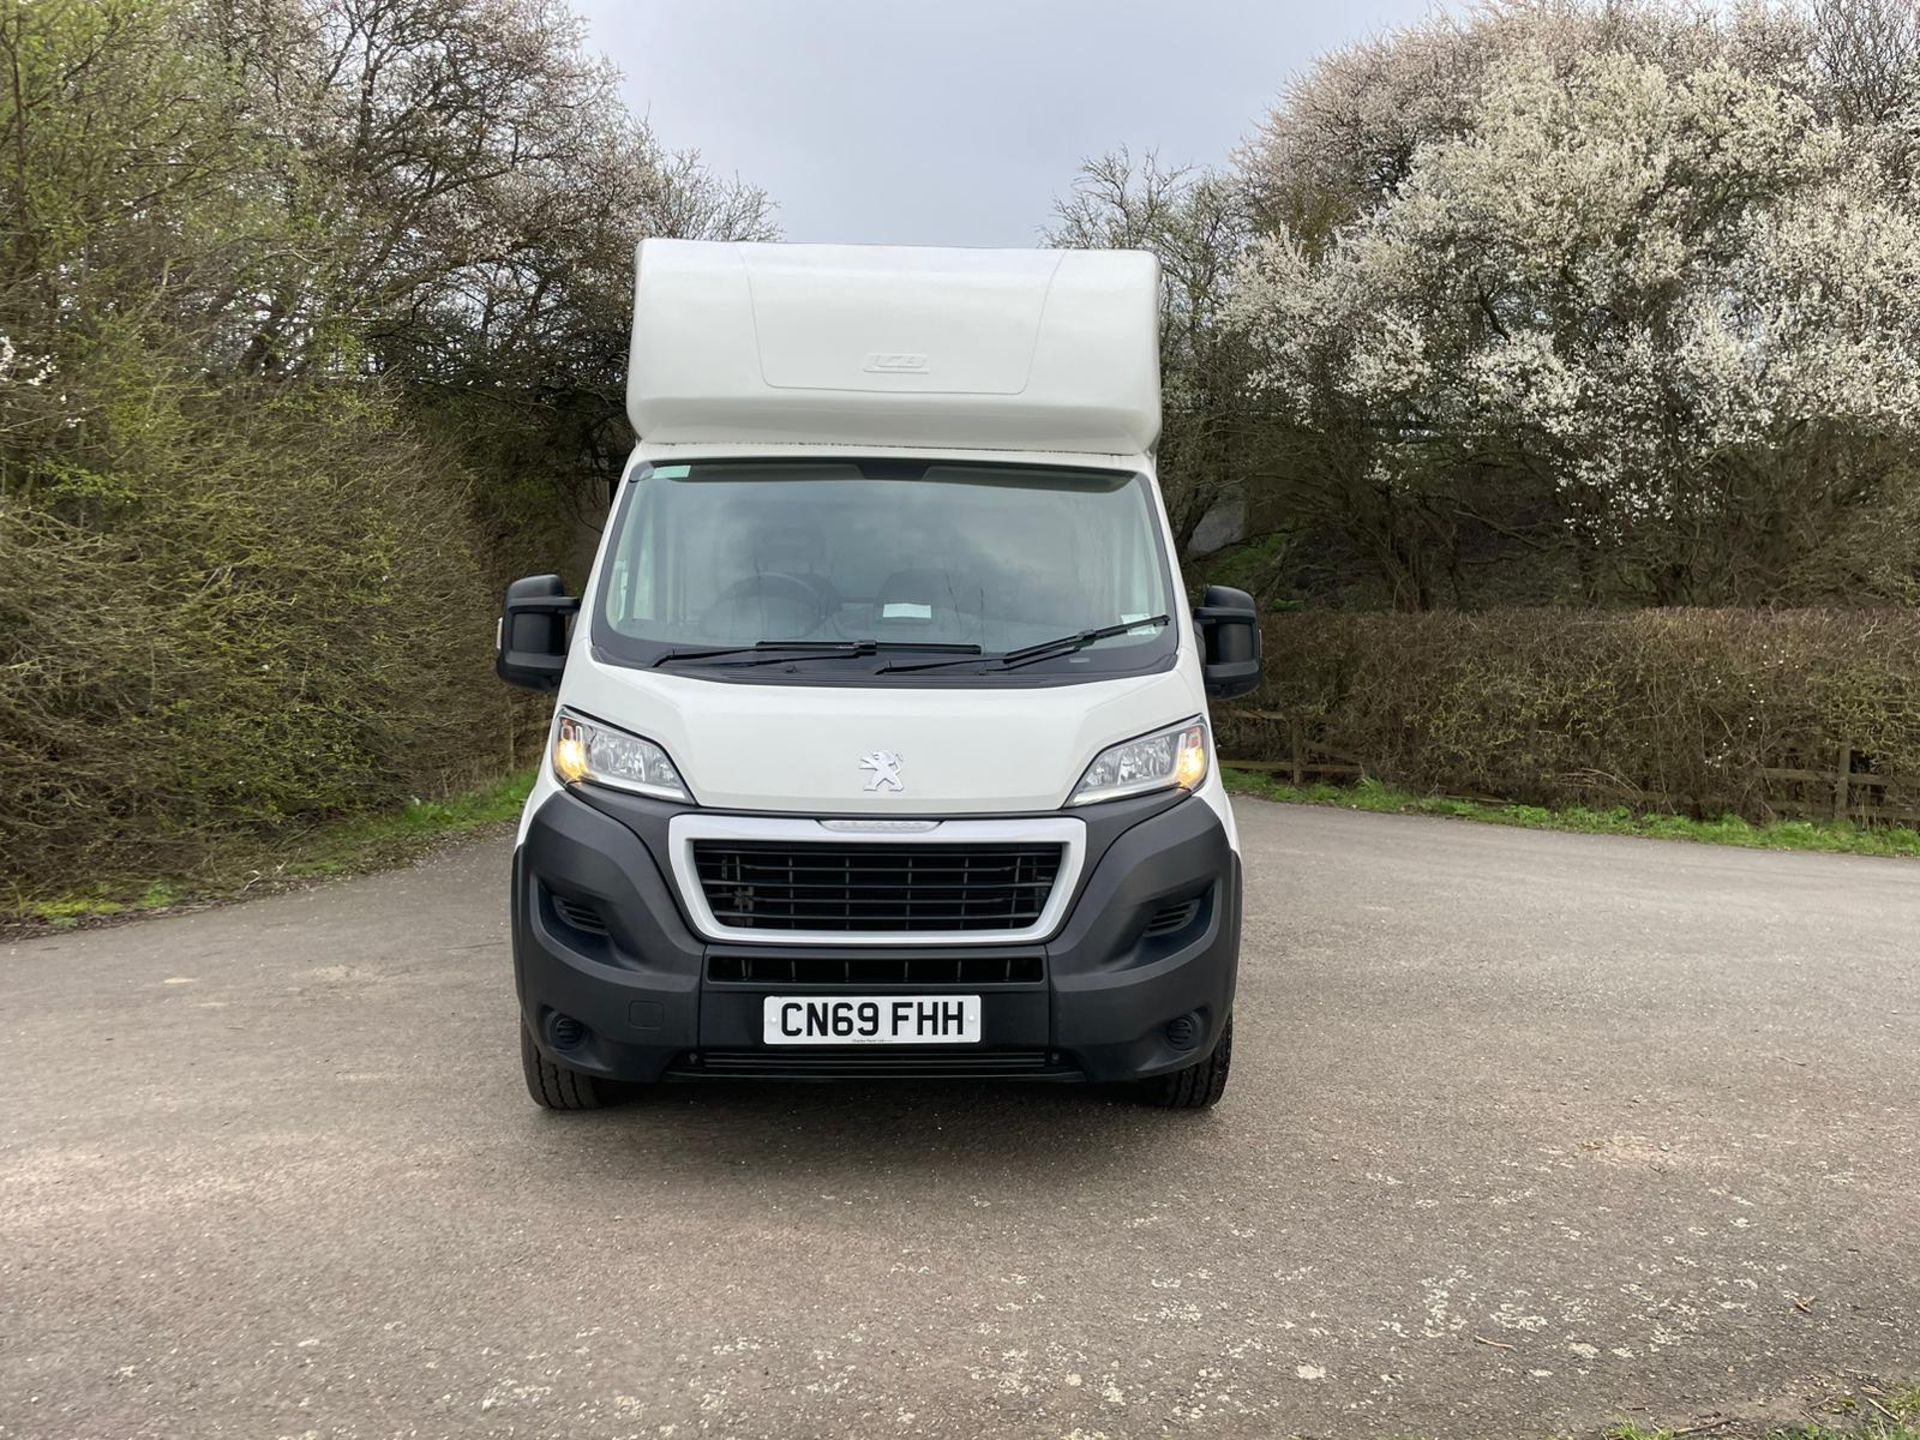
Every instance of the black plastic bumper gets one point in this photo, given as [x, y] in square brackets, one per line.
[1138, 981]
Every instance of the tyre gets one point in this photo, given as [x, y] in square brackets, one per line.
[555, 1087]
[1199, 1086]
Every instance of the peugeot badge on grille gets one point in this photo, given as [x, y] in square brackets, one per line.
[885, 766]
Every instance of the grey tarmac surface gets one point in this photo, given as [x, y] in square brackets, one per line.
[1613, 1105]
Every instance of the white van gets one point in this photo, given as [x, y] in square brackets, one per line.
[881, 744]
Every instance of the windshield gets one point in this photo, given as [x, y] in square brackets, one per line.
[870, 561]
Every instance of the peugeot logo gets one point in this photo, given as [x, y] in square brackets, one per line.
[885, 766]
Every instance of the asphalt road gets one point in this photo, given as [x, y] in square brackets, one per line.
[1525, 1130]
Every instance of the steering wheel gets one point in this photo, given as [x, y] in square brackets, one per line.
[771, 605]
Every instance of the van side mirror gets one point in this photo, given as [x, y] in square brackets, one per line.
[530, 646]
[1228, 623]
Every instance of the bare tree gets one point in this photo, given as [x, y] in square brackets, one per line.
[1197, 223]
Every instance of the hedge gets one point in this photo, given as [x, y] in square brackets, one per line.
[265, 618]
[1679, 710]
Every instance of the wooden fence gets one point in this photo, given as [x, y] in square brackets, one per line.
[1844, 787]
[1308, 762]
[1846, 790]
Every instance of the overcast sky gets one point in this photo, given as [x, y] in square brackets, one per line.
[955, 123]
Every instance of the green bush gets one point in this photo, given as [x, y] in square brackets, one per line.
[295, 371]
[1667, 709]
[270, 612]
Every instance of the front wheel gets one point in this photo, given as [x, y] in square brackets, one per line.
[1199, 1086]
[555, 1087]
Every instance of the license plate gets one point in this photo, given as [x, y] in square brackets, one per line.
[870, 1020]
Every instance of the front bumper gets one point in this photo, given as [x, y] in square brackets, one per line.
[600, 939]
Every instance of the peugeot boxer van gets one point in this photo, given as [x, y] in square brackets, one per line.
[880, 744]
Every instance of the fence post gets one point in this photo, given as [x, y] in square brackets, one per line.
[1843, 781]
[1297, 740]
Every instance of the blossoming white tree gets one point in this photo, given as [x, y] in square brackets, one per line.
[1662, 316]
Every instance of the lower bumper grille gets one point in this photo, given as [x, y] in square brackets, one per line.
[785, 1065]
[958, 968]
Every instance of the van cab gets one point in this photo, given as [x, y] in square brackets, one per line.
[880, 744]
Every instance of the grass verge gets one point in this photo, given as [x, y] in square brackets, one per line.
[343, 847]
[1832, 837]
[1868, 1412]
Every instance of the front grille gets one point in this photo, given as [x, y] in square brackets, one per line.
[955, 968]
[781, 885]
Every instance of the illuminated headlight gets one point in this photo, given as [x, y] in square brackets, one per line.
[1164, 760]
[601, 755]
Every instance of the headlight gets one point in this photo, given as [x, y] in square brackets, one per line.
[1176, 756]
[588, 750]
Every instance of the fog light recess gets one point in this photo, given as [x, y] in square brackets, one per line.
[565, 1032]
[1184, 1033]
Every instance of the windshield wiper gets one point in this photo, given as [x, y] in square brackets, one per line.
[1042, 650]
[785, 651]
